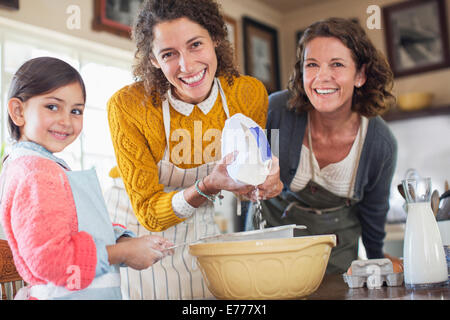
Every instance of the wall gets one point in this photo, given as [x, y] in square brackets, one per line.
[51, 14]
[237, 9]
[422, 145]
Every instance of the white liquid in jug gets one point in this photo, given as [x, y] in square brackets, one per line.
[424, 257]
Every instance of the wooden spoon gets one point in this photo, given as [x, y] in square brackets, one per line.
[435, 202]
[400, 189]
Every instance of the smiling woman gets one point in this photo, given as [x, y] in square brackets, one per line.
[338, 170]
[185, 53]
[330, 75]
[188, 86]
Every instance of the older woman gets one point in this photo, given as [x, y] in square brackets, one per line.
[337, 156]
[166, 134]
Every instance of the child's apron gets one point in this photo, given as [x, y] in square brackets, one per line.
[177, 276]
[93, 218]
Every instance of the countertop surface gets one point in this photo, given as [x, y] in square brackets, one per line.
[333, 287]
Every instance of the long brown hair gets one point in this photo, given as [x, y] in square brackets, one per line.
[204, 12]
[375, 96]
[39, 76]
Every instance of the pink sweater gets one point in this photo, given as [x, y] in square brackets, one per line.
[40, 222]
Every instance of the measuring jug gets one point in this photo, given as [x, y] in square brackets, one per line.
[254, 159]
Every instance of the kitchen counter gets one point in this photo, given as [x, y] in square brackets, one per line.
[333, 287]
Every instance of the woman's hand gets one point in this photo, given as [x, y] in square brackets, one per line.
[219, 179]
[271, 187]
[139, 253]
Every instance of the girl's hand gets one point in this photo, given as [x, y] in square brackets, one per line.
[139, 253]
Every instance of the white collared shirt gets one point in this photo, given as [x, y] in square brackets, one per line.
[186, 108]
[179, 204]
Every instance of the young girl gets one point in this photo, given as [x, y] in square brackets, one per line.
[55, 220]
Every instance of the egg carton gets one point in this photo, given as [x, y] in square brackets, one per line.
[374, 273]
[447, 257]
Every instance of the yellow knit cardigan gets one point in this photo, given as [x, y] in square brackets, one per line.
[138, 137]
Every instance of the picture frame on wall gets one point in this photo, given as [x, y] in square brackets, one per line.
[416, 36]
[233, 35]
[261, 53]
[115, 16]
[9, 4]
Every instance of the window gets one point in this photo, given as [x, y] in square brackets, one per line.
[104, 71]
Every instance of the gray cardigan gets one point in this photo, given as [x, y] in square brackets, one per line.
[375, 170]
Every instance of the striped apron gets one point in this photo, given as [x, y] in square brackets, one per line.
[175, 277]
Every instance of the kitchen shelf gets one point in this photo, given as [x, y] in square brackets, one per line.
[397, 114]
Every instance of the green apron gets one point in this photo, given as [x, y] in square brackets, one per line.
[322, 212]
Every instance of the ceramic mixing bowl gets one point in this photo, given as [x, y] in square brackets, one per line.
[289, 268]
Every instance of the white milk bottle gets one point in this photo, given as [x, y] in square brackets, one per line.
[423, 253]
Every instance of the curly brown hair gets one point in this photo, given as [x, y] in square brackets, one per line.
[204, 12]
[375, 96]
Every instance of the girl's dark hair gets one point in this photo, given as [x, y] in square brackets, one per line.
[39, 76]
[375, 96]
[204, 12]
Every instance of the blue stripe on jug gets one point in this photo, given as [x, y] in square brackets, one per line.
[263, 144]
